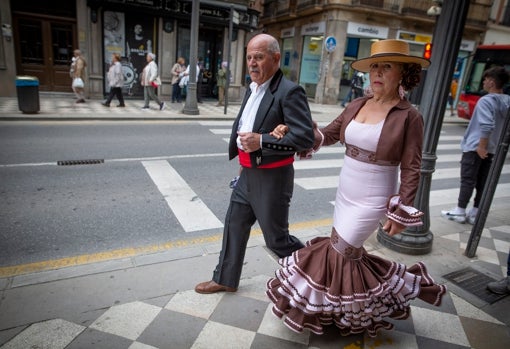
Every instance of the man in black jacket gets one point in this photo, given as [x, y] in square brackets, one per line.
[266, 182]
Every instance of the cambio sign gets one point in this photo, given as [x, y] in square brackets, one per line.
[371, 31]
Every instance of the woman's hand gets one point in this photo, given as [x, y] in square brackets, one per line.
[279, 131]
[392, 227]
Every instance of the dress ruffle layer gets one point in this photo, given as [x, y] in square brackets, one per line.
[319, 286]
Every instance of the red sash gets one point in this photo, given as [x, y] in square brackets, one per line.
[244, 160]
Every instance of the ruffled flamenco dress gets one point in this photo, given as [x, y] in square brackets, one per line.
[333, 280]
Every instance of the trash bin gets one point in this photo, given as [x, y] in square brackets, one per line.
[27, 88]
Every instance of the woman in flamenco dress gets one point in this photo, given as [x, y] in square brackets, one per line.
[333, 280]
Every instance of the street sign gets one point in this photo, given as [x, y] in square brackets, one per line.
[330, 43]
[235, 17]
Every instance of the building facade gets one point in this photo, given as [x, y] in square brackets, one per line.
[38, 39]
[320, 38]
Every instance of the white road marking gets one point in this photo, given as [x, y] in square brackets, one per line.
[190, 210]
[325, 182]
[221, 131]
[449, 196]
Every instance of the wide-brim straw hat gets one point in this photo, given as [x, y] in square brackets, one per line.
[388, 51]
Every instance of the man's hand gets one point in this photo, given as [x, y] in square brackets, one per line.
[250, 141]
[482, 152]
[392, 227]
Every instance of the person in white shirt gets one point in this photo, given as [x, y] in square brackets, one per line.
[116, 81]
[265, 186]
[149, 82]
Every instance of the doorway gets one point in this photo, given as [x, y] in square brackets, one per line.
[209, 55]
[44, 48]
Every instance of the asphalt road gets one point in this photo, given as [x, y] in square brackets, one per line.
[156, 182]
[50, 211]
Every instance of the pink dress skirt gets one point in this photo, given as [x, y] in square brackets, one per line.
[333, 280]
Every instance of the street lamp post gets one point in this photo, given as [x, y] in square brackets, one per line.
[445, 47]
[191, 104]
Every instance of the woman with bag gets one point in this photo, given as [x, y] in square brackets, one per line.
[178, 68]
[150, 81]
[116, 81]
[77, 73]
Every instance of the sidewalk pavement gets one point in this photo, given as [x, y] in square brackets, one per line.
[146, 300]
[62, 106]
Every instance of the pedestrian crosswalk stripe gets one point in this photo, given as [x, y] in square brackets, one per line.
[448, 173]
[221, 131]
[317, 164]
[443, 138]
[314, 183]
[449, 196]
[182, 200]
[216, 123]
[325, 182]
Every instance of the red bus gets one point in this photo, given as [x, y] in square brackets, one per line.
[485, 57]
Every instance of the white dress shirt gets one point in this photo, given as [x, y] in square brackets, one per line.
[251, 108]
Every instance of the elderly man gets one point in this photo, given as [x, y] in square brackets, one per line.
[266, 182]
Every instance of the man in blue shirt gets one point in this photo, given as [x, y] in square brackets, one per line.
[480, 142]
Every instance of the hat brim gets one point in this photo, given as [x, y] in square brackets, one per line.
[364, 64]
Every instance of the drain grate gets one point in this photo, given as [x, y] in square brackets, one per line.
[475, 283]
[80, 162]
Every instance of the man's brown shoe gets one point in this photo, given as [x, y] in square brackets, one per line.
[213, 287]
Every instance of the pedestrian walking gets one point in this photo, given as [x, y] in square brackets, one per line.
[116, 81]
[185, 79]
[178, 68]
[221, 82]
[357, 83]
[452, 95]
[265, 186]
[200, 80]
[479, 144]
[149, 80]
[334, 280]
[503, 285]
[77, 73]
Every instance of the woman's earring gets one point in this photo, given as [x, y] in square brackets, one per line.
[368, 91]
[401, 92]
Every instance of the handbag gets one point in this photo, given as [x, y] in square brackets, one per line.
[78, 83]
[156, 82]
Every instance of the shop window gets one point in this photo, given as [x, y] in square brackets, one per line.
[351, 48]
[310, 64]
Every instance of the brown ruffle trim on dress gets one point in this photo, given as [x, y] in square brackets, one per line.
[405, 215]
[318, 286]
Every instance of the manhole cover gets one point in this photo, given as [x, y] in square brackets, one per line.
[475, 283]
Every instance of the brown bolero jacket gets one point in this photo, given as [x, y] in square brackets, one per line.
[400, 141]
